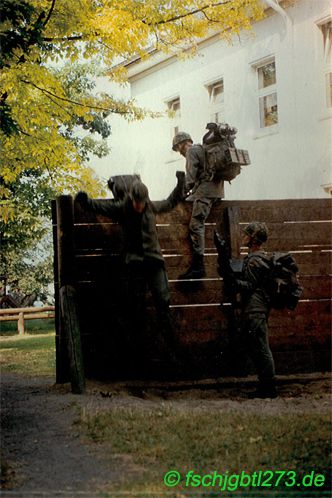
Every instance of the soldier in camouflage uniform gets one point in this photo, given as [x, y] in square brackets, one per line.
[203, 192]
[255, 307]
[143, 257]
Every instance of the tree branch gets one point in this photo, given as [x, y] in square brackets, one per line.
[64, 99]
[61, 107]
[66, 38]
[187, 14]
[50, 13]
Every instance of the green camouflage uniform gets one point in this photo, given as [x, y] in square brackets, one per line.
[255, 306]
[204, 193]
[143, 256]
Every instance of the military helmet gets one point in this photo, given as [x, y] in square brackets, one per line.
[182, 136]
[139, 191]
[257, 231]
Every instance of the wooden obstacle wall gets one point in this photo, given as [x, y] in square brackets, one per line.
[300, 339]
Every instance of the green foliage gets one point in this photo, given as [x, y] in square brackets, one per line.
[52, 53]
[26, 264]
[53, 119]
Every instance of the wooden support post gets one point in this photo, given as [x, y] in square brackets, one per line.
[69, 353]
[20, 324]
[69, 319]
[65, 238]
[234, 231]
[229, 230]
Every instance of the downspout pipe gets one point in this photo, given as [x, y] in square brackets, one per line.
[274, 4]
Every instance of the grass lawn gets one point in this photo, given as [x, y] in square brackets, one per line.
[153, 442]
[37, 326]
[29, 355]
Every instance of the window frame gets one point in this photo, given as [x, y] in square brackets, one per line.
[176, 119]
[216, 108]
[266, 91]
[326, 56]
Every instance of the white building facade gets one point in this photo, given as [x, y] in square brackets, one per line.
[273, 85]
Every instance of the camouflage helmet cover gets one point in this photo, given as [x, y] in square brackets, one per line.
[182, 136]
[139, 191]
[257, 231]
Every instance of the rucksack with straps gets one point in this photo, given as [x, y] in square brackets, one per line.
[283, 285]
[281, 281]
[223, 160]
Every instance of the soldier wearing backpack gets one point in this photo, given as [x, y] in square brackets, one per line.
[255, 303]
[203, 192]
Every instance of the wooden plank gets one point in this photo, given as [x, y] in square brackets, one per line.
[175, 238]
[292, 362]
[102, 264]
[282, 237]
[105, 236]
[91, 267]
[319, 287]
[100, 294]
[264, 210]
[85, 215]
[307, 327]
[314, 263]
[291, 210]
[187, 292]
[310, 263]
[36, 316]
[250, 210]
[177, 264]
[298, 236]
[211, 291]
[182, 213]
[200, 292]
[30, 309]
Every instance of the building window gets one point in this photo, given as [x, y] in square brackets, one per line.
[326, 37]
[174, 108]
[326, 29]
[216, 101]
[267, 92]
[327, 188]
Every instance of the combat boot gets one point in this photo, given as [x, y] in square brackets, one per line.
[196, 270]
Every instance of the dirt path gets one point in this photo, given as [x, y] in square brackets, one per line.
[45, 452]
[40, 443]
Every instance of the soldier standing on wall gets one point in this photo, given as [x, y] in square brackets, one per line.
[203, 192]
[143, 257]
[255, 304]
